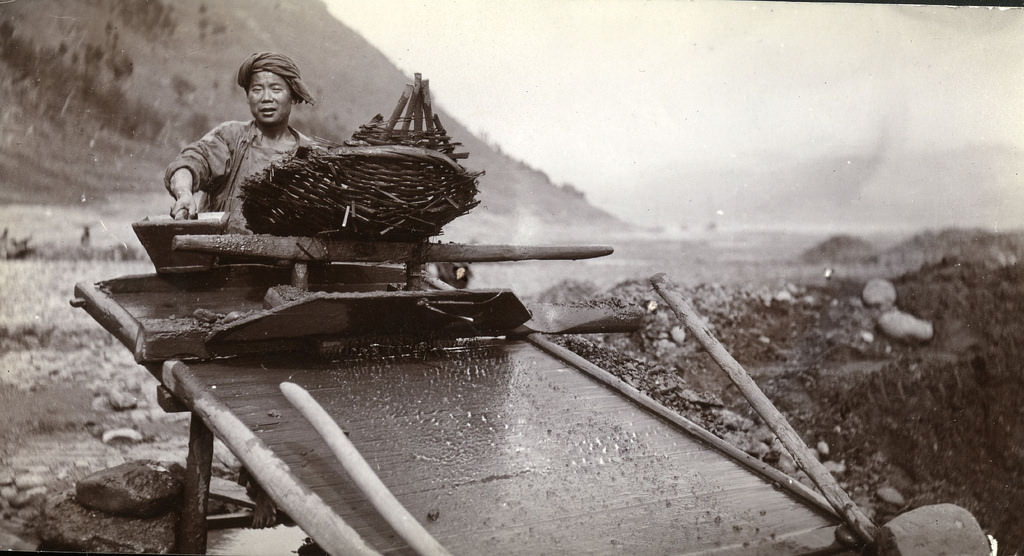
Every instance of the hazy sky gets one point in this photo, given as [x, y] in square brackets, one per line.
[608, 94]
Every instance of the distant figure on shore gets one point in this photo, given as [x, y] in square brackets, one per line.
[207, 175]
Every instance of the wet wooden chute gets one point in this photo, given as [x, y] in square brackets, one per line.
[490, 436]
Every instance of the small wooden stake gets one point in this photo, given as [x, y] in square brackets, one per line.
[428, 106]
[397, 112]
[836, 496]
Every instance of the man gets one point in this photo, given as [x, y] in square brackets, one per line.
[219, 163]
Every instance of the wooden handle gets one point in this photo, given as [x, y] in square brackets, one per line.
[361, 473]
[313, 249]
[836, 496]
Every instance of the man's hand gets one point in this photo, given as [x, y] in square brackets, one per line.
[184, 206]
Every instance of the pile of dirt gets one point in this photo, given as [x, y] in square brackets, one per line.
[974, 246]
[838, 249]
[937, 422]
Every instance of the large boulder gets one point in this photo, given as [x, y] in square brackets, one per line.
[142, 488]
[938, 530]
[902, 326]
[879, 293]
[66, 525]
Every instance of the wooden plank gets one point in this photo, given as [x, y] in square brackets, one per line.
[360, 313]
[230, 491]
[156, 232]
[505, 443]
[551, 318]
[110, 315]
[313, 249]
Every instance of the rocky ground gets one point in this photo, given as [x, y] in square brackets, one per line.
[900, 422]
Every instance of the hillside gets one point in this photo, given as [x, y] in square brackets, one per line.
[100, 95]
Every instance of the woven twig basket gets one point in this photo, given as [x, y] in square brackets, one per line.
[390, 182]
[392, 193]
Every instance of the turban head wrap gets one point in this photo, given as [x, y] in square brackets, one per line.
[278, 64]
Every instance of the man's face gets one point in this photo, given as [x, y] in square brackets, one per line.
[270, 99]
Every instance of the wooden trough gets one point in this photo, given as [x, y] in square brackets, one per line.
[490, 436]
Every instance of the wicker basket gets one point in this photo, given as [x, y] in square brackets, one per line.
[388, 183]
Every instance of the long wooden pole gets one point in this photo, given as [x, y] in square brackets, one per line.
[313, 249]
[836, 496]
[361, 473]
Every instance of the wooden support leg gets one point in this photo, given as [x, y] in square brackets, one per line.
[300, 276]
[192, 527]
[414, 271]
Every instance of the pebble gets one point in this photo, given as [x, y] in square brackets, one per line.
[26, 497]
[29, 481]
[764, 339]
[122, 401]
[823, 448]
[678, 334]
[784, 296]
[758, 449]
[879, 293]
[890, 495]
[835, 467]
[867, 337]
[786, 463]
[125, 434]
[735, 421]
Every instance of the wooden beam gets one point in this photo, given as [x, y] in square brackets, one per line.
[192, 527]
[312, 249]
[826, 483]
[314, 516]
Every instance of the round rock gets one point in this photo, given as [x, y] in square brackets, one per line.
[141, 488]
[937, 530]
[879, 293]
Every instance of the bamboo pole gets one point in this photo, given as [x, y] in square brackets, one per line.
[836, 496]
[361, 473]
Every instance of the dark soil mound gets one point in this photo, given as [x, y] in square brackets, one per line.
[838, 249]
[945, 424]
[976, 246]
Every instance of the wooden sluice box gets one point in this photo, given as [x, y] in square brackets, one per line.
[493, 438]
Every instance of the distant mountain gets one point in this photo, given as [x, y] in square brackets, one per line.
[100, 95]
[979, 185]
